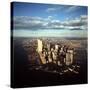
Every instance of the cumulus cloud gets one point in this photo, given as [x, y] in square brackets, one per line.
[26, 22]
[77, 23]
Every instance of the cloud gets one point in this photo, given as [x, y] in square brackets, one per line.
[77, 23]
[26, 22]
[55, 8]
[72, 9]
[51, 9]
[65, 9]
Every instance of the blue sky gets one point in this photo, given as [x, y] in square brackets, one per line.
[60, 12]
[35, 16]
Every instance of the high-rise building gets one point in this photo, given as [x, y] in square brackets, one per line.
[40, 45]
[48, 47]
[69, 57]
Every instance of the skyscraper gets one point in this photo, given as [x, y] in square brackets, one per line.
[40, 45]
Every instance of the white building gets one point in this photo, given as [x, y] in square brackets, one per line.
[56, 47]
[40, 45]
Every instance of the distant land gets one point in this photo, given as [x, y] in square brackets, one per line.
[68, 38]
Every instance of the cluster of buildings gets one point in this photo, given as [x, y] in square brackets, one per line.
[60, 55]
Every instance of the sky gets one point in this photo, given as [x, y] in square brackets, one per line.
[35, 19]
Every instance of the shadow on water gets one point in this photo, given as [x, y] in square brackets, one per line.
[19, 65]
